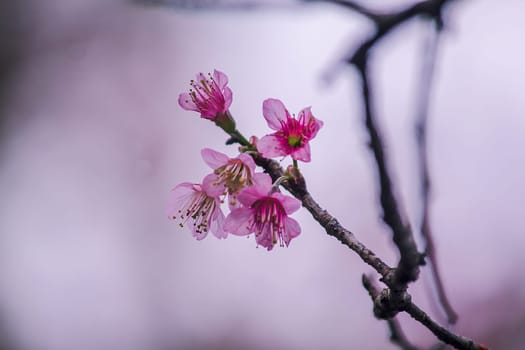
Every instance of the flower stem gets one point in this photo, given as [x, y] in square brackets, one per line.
[241, 138]
[238, 137]
[295, 165]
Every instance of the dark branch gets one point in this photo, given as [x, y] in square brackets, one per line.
[381, 299]
[408, 269]
[387, 302]
[388, 22]
[425, 89]
[441, 332]
[352, 5]
[397, 336]
[297, 187]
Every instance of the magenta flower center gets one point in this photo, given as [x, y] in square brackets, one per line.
[293, 132]
[200, 209]
[207, 95]
[269, 218]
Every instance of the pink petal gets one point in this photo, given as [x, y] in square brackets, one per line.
[263, 182]
[271, 146]
[187, 103]
[220, 78]
[315, 125]
[305, 114]
[290, 204]
[185, 185]
[238, 222]
[198, 235]
[235, 200]
[312, 125]
[302, 153]
[211, 186]
[228, 97]
[217, 225]
[249, 195]
[178, 197]
[200, 77]
[274, 112]
[213, 158]
[292, 230]
[262, 185]
[248, 161]
[265, 238]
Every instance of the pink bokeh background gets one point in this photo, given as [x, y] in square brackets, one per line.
[95, 140]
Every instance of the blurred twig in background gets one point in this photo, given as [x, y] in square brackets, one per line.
[421, 129]
[12, 38]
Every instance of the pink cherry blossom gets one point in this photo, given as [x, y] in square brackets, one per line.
[198, 206]
[208, 95]
[233, 174]
[292, 134]
[264, 212]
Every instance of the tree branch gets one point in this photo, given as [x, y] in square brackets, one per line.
[443, 334]
[381, 299]
[410, 259]
[397, 336]
[389, 302]
[297, 187]
[352, 5]
[387, 22]
[421, 129]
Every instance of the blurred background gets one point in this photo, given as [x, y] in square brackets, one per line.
[92, 140]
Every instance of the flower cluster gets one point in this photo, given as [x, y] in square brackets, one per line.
[256, 205]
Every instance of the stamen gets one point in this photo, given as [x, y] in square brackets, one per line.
[234, 175]
[199, 209]
[269, 219]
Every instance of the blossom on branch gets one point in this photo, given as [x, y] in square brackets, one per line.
[264, 212]
[233, 174]
[198, 206]
[292, 134]
[208, 95]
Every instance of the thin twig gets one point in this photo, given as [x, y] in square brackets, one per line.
[352, 5]
[397, 336]
[442, 333]
[425, 89]
[410, 259]
[297, 187]
[331, 225]
[386, 23]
